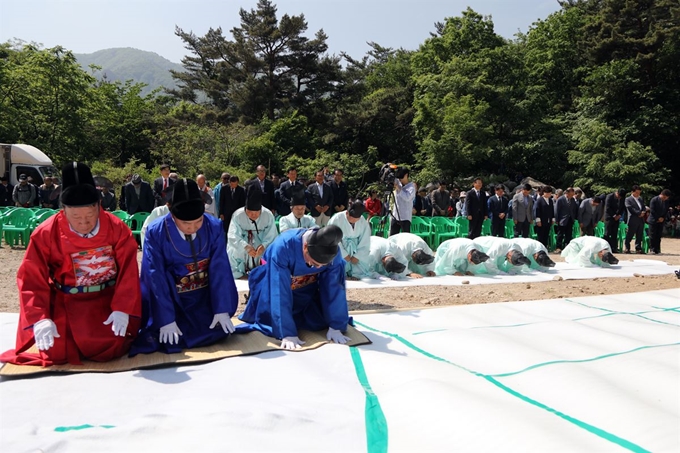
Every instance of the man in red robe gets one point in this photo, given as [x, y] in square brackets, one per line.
[78, 283]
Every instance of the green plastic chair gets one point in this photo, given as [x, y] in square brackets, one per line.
[17, 225]
[486, 227]
[441, 226]
[122, 215]
[43, 210]
[599, 230]
[375, 226]
[136, 221]
[552, 239]
[576, 230]
[621, 235]
[509, 229]
[462, 227]
[645, 239]
[422, 229]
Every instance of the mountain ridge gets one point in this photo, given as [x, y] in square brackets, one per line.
[128, 63]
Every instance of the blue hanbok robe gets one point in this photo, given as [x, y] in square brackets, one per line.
[286, 295]
[174, 290]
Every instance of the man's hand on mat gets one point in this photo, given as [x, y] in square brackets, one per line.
[44, 332]
[291, 343]
[170, 333]
[336, 336]
[414, 275]
[120, 322]
[224, 320]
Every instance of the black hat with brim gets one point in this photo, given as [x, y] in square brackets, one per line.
[356, 210]
[422, 258]
[542, 259]
[297, 196]
[518, 259]
[322, 244]
[477, 257]
[77, 188]
[254, 198]
[187, 202]
[393, 266]
[608, 257]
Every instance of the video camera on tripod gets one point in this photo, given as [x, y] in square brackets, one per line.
[387, 175]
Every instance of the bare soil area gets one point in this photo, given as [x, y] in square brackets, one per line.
[429, 296]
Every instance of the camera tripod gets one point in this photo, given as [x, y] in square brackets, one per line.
[387, 198]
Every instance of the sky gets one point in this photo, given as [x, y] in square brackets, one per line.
[85, 26]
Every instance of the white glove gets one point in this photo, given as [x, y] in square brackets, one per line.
[120, 322]
[44, 332]
[223, 320]
[170, 333]
[336, 336]
[291, 343]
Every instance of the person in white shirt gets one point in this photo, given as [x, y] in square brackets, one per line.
[402, 209]
[210, 203]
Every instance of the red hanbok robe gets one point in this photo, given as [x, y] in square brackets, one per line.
[55, 253]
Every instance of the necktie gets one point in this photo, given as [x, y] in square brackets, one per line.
[165, 183]
[299, 223]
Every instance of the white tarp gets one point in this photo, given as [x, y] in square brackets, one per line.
[584, 374]
[565, 270]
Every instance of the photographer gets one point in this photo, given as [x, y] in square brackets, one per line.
[404, 193]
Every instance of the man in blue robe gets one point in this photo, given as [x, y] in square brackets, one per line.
[299, 285]
[188, 291]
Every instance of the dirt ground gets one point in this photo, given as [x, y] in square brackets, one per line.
[429, 296]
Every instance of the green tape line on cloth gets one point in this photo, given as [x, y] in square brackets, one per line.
[376, 424]
[581, 424]
[63, 429]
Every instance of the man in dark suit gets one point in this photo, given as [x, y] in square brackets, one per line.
[658, 209]
[498, 206]
[6, 190]
[636, 219]
[231, 199]
[340, 195]
[161, 184]
[523, 211]
[320, 199]
[589, 214]
[614, 206]
[266, 186]
[545, 214]
[286, 191]
[475, 207]
[566, 213]
[138, 196]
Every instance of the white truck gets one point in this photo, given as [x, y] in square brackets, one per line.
[21, 159]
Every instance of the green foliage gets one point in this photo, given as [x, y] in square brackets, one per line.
[118, 175]
[605, 161]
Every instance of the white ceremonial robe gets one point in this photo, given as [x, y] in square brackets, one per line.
[380, 248]
[356, 242]
[529, 248]
[497, 249]
[408, 243]
[291, 222]
[585, 251]
[243, 232]
[452, 257]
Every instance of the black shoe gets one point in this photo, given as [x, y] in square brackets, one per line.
[627, 252]
[639, 252]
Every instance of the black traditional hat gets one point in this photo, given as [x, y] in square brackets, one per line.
[608, 257]
[543, 259]
[518, 259]
[297, 196]
[421, 258]
[322, 244]
[254, 198]
[77, 188]
[187, 202]
[356, 209]
[477, 257]
[393, 266]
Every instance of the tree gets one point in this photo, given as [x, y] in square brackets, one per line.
[268, 68]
